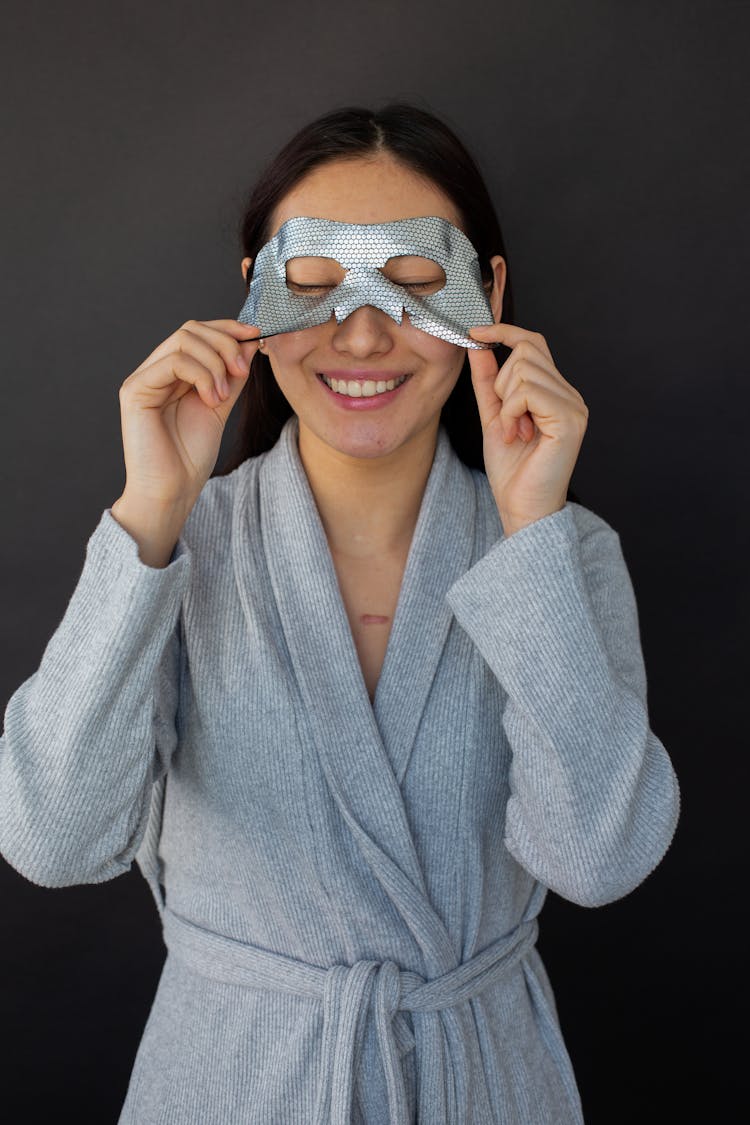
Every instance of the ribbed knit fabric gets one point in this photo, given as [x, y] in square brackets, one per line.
[349, 892]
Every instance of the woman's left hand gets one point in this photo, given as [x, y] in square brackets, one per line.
[533, 423]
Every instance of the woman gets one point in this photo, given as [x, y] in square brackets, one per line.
[357, 703]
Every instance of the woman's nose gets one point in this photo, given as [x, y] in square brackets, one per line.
[364, 331]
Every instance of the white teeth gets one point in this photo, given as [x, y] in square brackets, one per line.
[366, 389]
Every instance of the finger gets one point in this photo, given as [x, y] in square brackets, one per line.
[523, 428]
[235, 328]
[230, 344]
[176, 372]
[221, 357]
[484, 371]
[532, 364]
[514, 371]
[250, 340]
[526, 427]
[194, 345]
[510, 335]
[545, 406]
[491, 392]
[216, 349]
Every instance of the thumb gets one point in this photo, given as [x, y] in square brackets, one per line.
[484, 370]
[236, 384]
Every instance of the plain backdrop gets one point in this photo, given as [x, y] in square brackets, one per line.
[613, 139]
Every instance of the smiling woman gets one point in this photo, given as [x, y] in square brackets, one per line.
[431, 160]
[356, 703]
[331, 292]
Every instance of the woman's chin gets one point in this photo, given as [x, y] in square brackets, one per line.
[365, 438]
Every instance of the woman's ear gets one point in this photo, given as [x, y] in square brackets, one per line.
[245, 266]
[500, 274]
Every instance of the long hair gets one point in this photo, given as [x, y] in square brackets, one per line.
[421, 142]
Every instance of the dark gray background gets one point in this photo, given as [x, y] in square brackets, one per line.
[613, 138]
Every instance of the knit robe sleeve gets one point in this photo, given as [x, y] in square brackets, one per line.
[594, 799]
[87, 735]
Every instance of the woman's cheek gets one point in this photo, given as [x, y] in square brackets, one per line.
[285, 355]
[447, 358]
[436, 351]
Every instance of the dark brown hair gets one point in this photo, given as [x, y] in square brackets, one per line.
[428, 147]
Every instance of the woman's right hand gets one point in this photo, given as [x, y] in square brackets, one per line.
[174, 408]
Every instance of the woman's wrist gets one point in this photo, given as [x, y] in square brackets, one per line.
[154, 525]
[513, 524]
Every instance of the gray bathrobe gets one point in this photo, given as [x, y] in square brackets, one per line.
[349, 892]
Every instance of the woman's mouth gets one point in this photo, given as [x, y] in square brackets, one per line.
[362, 388]
[362, 393]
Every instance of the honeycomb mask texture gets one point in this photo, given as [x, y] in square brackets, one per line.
[361, 249]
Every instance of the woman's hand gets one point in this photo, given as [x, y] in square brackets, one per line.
[533, 423]
[174, 408]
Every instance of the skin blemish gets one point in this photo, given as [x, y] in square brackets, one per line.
[374, 619]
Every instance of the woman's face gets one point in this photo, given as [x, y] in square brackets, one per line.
[368, 345]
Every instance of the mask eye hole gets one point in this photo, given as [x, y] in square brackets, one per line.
[420, 276]
[312, 276]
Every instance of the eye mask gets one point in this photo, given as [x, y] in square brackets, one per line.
[362, 249]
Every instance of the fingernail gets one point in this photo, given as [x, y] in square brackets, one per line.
[481, 329]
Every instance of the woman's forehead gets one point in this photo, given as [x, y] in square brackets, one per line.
[364, 192]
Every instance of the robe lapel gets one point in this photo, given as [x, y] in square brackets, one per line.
[364, 749]
[441, 551]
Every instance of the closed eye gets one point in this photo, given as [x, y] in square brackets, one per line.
[422, 286]
[309, 289]
[414, 286]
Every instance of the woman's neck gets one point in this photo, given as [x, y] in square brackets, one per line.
[368, 505]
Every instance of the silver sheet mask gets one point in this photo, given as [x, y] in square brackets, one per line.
[361, 249]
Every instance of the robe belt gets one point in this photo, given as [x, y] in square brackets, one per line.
[347, 992]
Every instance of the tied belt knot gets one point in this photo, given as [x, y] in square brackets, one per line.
[348, 994]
